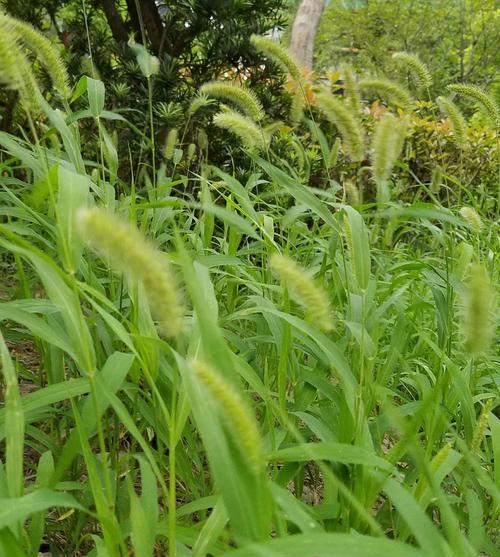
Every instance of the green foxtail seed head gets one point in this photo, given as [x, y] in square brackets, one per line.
[170, 143]
[387, 144]
[481, 425]
[352, 192]
[345, 121]
[392, 92]
[352, 98]
[245, 99]
[457, 121]
[479, 304]
[249, 133]
[477, 94]
[277, 53]
[472, 218]
[297, 107]
[418, 70]
[237, 415]
[304, 290]
[129, 252]
[191, 152]
[44, 50]
[199, 101]
[15, 70]
[440, 457]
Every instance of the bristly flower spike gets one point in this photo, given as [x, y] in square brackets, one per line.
[458, 124]
[244, 98]
[276, 52]
[418, 70]
[245, 128]
[304, 290]
[349, 127]
[129, 252]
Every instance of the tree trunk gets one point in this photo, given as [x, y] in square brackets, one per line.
[153, 24]
[304, 30]
[116, 24]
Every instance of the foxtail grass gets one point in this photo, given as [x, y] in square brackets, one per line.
[244, 98]
[128, 251]
[349, 127]
[304, 290]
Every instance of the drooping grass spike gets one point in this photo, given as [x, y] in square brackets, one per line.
[351, 89]
[129, 252]
[45, 52]
[304, 290]
[277, 53]
[349, 127]
[15, 70]
[236, 413]
[477, 94]
[387, 143]
[456, 118]
[418, 70]
[245, 128]
[472, 218]
[390, 91]
[244, 98]
[479, 304]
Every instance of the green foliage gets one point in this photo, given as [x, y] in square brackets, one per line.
[456, 40]
[181, 404]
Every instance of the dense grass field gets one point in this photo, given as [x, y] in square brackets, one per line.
[202, 361]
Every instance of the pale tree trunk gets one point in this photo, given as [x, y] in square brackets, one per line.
[304, 31]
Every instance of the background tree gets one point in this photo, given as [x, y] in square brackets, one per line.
[457, 39]
[195, 41]
[304, 30]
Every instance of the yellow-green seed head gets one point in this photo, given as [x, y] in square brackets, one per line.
[44, 50]
[237, 415]
[472, 218]
[349, 127]
[419, 72]
[479, 304]
[456, 119]
[15, 70]
[440, 457]
[170, 143]
[390, 91]
[477, 94]
[387, 144]
[481, 425]
[129, 252]
[277, 53]
[249, 133]
[304, 290]
[351, 89]
[245, 99]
